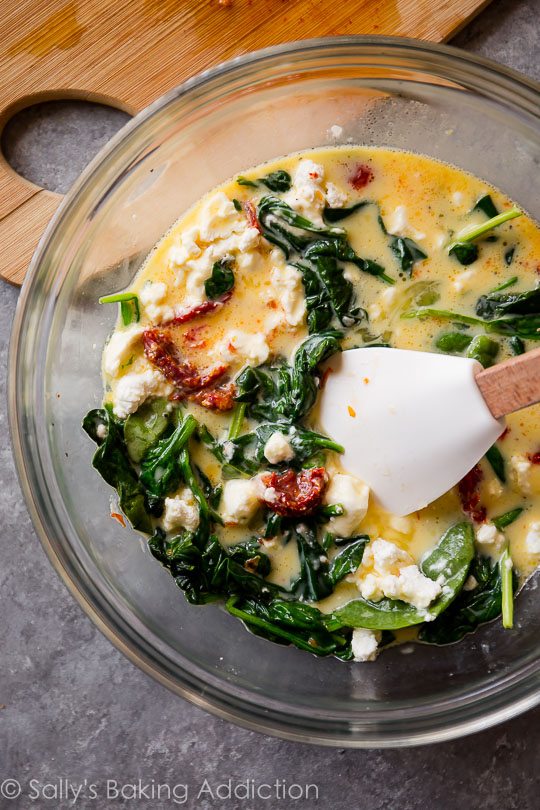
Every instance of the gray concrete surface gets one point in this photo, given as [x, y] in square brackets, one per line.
[72, 707]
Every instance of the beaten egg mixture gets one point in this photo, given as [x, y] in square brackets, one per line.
[266, 316]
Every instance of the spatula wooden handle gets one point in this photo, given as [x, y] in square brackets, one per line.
[510, 386]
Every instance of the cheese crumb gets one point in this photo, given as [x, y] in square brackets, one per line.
[365, 644]
[287, 283]
[522, 467]
[487, 534]
[278, 448]
[532, 541]
[239, 501]
[334, 196]
[398, 223]
[119, 348]
[353, 495]
[134, 389]
[181, 511]
[251, 348]
[387, 570]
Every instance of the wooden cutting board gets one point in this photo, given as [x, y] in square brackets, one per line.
[128, 52]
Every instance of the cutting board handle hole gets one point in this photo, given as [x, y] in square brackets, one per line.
[51, 142]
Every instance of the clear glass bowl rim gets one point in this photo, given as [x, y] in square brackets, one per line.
[381, 728]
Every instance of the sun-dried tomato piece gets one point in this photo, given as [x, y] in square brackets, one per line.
[534, 458]
[363, 175]
[162, 352]
[469, 495]
[200, 309]
[216, 399]
[251, 215]
[293, 494]
[193, 337]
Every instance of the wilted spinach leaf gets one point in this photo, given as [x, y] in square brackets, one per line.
[144, 427]
[221, 281]
[160, 470]
[407, 253]
[471, 608]
[112, 462]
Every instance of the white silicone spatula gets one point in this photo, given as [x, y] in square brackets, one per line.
[414, 423]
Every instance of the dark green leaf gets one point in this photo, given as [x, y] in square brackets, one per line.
[470, 608]
[160, 471]
[509, 255]
[496, 460]
[502, 521]
[516, 345]
[449, 561]
[347, 560]
[314, 582]
[287, 393]
[144, 427]
[111, 460]
[332, 215]
[277, 181]
[496, 305]
[407, 253]
[452, 342]
[484, 350]
[487, 206]
[465, 252]
[221, 281]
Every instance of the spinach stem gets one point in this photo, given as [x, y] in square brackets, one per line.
[505, 564]
[505, 285]
[129, 306]
[237, 420]
[474, 231]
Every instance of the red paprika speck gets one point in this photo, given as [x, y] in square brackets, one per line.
[119, 518]
[469, 496]
[314, 175]
[363, 175]
[534, 458]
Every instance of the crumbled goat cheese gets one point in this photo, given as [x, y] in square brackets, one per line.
[334, 196]
[387, 570]
[151, 296]
[101, 431]
[134, 389]
[251, 348]
[532, 541]
[457, 197]
[222, 232]
[306, 194]
[336, 131]
[462, 280]
[239, 501]
[119, 348]
[398, 224]
[278, 448]
[522, 467]
[353, 495]
[287, 283]
[365, 644]
[181, 511]
[470, 583]
[487, 534]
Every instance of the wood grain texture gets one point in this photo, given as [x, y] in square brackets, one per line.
[129, 52]
[510, 386]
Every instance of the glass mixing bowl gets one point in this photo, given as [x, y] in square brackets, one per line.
[392, 92]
